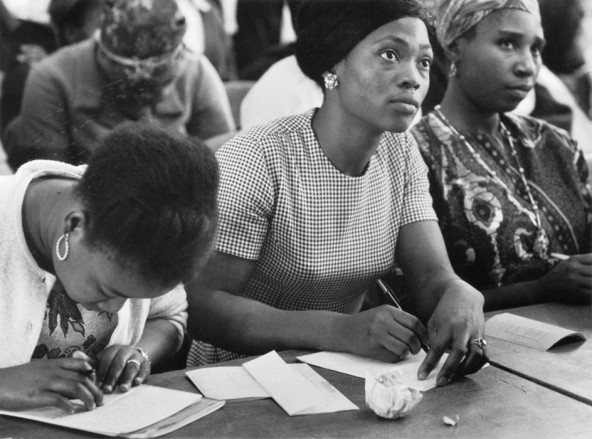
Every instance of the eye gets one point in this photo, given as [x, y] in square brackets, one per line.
[389, 55]
[425, 63]
[507, 44]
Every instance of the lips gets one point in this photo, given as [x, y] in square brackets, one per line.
[405, 104]
[522, 87]
[520, 91]
[406, 100]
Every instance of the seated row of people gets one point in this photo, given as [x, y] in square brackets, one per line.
[313, 209]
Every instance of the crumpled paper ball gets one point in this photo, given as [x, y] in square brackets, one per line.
[388, 396]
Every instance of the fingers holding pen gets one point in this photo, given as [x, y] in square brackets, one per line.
[389, 334]
[88, 378]
[409, 330]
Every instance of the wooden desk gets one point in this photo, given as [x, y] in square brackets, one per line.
[566, 369]
[491, 404]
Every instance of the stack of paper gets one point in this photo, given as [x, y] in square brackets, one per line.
[143, 412]
[297, 388]
[528, 332]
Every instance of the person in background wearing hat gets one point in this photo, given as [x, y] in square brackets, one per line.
[135, 69]
[314, 208]
[510, 191]
[72, 21]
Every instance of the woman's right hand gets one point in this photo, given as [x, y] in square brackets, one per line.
[569, 281]
[44, 383]
[384, 333]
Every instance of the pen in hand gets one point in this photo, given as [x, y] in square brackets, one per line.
[91, 373]
[387, 290]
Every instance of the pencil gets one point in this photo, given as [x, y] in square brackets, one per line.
[388, 291]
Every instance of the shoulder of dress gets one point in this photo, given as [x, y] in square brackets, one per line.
[532, 129]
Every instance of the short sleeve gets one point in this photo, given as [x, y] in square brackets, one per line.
[417, 202]
[245, 198]
[172, 307]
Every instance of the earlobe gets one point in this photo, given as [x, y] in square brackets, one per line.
[330, 80]
[75, 219]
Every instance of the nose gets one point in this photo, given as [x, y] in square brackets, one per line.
[111, 305]
[411, 78]
[528, 64]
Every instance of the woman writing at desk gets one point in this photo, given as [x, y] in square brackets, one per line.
[510, 191]
[315, 207]
[87, 255]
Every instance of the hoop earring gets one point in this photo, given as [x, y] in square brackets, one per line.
[331, 81]
[65, 237]
[453, 72]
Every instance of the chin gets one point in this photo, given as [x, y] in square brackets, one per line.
[399, 126]
[507, 105]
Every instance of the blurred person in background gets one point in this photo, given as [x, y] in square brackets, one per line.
[71, 21]
[564, 52]
[206, 34]
[136, 68]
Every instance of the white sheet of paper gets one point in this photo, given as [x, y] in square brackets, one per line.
[122, 413]
[299, 391]
[527, 332]
[358, 366]
[226, 383]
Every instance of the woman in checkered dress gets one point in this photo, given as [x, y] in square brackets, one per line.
[315, 207]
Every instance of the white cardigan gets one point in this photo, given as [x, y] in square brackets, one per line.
[25, 288]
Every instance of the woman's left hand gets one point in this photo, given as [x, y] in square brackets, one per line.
[455, 323]
[123, 365]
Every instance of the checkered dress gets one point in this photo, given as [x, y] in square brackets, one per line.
[320, 237]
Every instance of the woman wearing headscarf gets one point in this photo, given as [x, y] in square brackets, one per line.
[316, 207]
[136, 68]
[510, 191]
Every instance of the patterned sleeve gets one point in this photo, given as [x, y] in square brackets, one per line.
[582, 172]
[417, 199]
[245, 199]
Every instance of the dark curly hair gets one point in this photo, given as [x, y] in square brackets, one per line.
[329, 29]
[150, 200]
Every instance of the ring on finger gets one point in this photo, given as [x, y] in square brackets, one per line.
[136, 363]
[480, 342]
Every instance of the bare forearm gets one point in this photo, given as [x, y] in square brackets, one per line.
[250, 327]
[159, 339]
[512, 296]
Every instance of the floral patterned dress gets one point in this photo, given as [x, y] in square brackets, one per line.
[488, 238]
[69, 327]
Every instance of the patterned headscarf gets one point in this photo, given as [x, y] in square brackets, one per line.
[455, 17]
[140, 48]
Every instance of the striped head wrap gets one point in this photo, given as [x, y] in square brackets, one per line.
[455, 17]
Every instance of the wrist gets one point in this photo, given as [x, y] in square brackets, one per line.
[541, 290]
[335, 336]
[459, 287]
